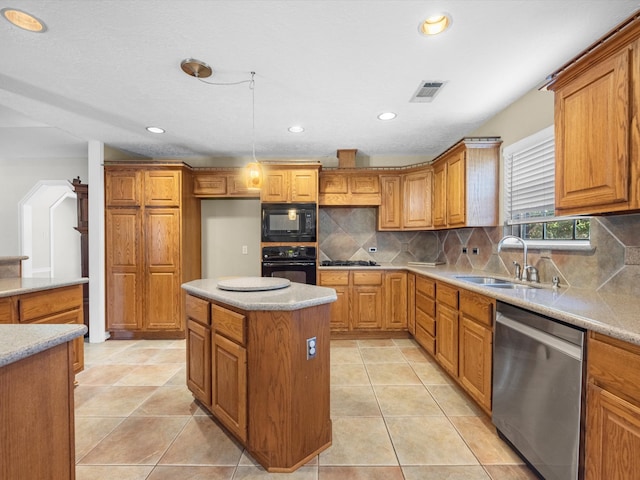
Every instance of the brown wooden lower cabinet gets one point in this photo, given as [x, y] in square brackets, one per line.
[613, 409]
[251, 371]
[369, 301]
[37, 416]
[62, 305]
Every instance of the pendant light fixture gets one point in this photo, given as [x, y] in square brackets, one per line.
[254, 170]
[200, 70]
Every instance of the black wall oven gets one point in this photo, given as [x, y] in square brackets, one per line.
[298, 264]
[289, 222]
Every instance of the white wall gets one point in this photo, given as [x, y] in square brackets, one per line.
[17, 177]
[227, 225]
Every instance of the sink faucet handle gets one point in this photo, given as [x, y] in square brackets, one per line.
[518, 272]
[531, 274]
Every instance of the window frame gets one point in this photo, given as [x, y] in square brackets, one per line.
[515, 226]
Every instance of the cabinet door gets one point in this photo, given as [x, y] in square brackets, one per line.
[440, 195]
[592, 139]
[395, 299]
[209, 184]
[275, 186]
[417, 211]
[163, 296]
[162, 188]
[389, 213]
[124, 269]
[456, 190]
[123, 188]
[363, 184]
[333, 183]
[475, 357]
[366, 295]
[199, 361]
[229, 386]
[613, 436]
[304, 186]
[447, 338]
[339, 281]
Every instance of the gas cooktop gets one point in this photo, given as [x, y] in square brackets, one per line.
[348, 263]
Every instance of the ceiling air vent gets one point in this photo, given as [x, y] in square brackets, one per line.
[426, 91]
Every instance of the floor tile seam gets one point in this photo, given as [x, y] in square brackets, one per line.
[184, 426]
[467, 443]
[435, 400]
[122, 419]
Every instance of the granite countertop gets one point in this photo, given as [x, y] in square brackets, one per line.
[21, 341]
[610, 314]
[294, 297]
[14, 259]
[18, 285]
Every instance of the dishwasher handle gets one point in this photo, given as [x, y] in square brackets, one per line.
[550, 341]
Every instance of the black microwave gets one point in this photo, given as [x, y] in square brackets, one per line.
[289, 222]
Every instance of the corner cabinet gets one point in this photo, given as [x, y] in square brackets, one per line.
[613, 409]
[152, 247]
[597, 100]
[289, 183]
[465, 184]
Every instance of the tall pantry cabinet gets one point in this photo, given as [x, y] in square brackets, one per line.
[152, 224]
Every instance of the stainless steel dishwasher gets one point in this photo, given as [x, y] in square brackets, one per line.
[537, 389]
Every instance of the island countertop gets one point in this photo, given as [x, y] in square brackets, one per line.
[22, 341]
[294, 297]
[19, 285]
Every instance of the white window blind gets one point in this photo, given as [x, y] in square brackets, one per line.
[530, 178]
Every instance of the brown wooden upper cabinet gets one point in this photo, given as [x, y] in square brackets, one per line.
[290, 183]
[228, 183]
[349, 188]
[406, 201]
[597, 99]
[465, 184]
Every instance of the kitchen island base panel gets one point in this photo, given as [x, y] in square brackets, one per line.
[289, 399]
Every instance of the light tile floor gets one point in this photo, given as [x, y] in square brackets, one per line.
[395, 415]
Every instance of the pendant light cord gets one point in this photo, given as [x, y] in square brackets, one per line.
[252, 85]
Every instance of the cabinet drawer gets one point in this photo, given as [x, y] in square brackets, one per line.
[427, 341]
[198, 309]
[6, 310]
[426, 322]
[333, 184]
[228, 323]
[426, 305]
[447, 294]
[35, 305]
[477, 306]
[367, 278]
[426, 286]
[334, 278]
[615, 366]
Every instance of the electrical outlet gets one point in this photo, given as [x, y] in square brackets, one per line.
[475, 250]
[311, 348]
[244, 249]
[373, 249]
[464, 250]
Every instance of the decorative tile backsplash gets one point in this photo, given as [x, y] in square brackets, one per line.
[612, 265]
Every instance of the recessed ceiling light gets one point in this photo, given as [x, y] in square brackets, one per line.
[155, 129]
[296, 129]
[435, 24]
[387, 116]
[23, 20]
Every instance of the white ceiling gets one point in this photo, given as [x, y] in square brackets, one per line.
[105, 69]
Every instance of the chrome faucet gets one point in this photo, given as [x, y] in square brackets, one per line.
[525, 265]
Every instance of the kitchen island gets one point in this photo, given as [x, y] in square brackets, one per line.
[259, 362]
[36, 401]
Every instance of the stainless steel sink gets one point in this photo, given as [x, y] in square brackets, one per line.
[484, 280]
[494, 282]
